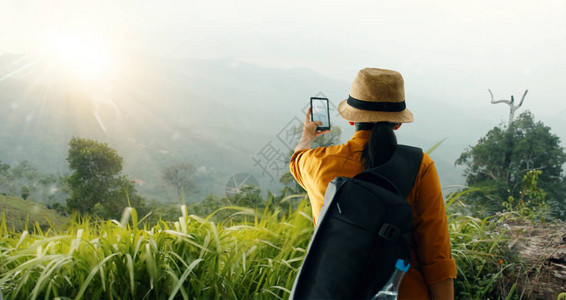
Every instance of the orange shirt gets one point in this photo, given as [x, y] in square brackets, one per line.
[431, 260]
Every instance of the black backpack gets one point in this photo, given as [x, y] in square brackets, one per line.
[364, 227]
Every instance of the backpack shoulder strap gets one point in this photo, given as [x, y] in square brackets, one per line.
[401, 169]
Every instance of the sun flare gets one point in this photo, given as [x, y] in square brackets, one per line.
[86, 66]
[82, 56]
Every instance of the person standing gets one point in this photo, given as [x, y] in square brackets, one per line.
[376, 107]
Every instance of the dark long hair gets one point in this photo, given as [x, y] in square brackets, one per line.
[380, 146]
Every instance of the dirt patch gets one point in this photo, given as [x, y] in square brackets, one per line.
[542, 248]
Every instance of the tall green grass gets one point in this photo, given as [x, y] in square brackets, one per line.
[479, 246]
[193, 258]
[233, 253]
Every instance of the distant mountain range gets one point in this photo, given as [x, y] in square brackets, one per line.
[224, 116]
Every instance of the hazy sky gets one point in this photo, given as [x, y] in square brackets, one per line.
[450, 50]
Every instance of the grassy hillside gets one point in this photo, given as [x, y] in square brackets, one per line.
[19, 212]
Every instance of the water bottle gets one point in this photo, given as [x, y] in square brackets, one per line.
[391, 288]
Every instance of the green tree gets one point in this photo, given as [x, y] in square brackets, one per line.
[247, 196]
[25, 192]
[532, 204]
[499, 161]
[4, 168]
[182, 176]
[207, 206]
[25, 171]
[96, 181]
[21, 177]
[4, 177]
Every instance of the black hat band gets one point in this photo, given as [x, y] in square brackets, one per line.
[377, 106]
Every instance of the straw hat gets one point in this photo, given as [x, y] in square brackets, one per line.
[377, 95]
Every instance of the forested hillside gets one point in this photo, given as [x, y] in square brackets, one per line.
[216, 114]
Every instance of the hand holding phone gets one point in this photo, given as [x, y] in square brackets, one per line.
[320, 111]
[310, 132]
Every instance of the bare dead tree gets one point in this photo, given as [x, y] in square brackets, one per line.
[511, 103]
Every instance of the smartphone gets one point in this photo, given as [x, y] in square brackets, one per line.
[320, 112]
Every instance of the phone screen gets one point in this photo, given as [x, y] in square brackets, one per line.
[320, 112]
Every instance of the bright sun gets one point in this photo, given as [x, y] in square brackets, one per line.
[85, 57]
